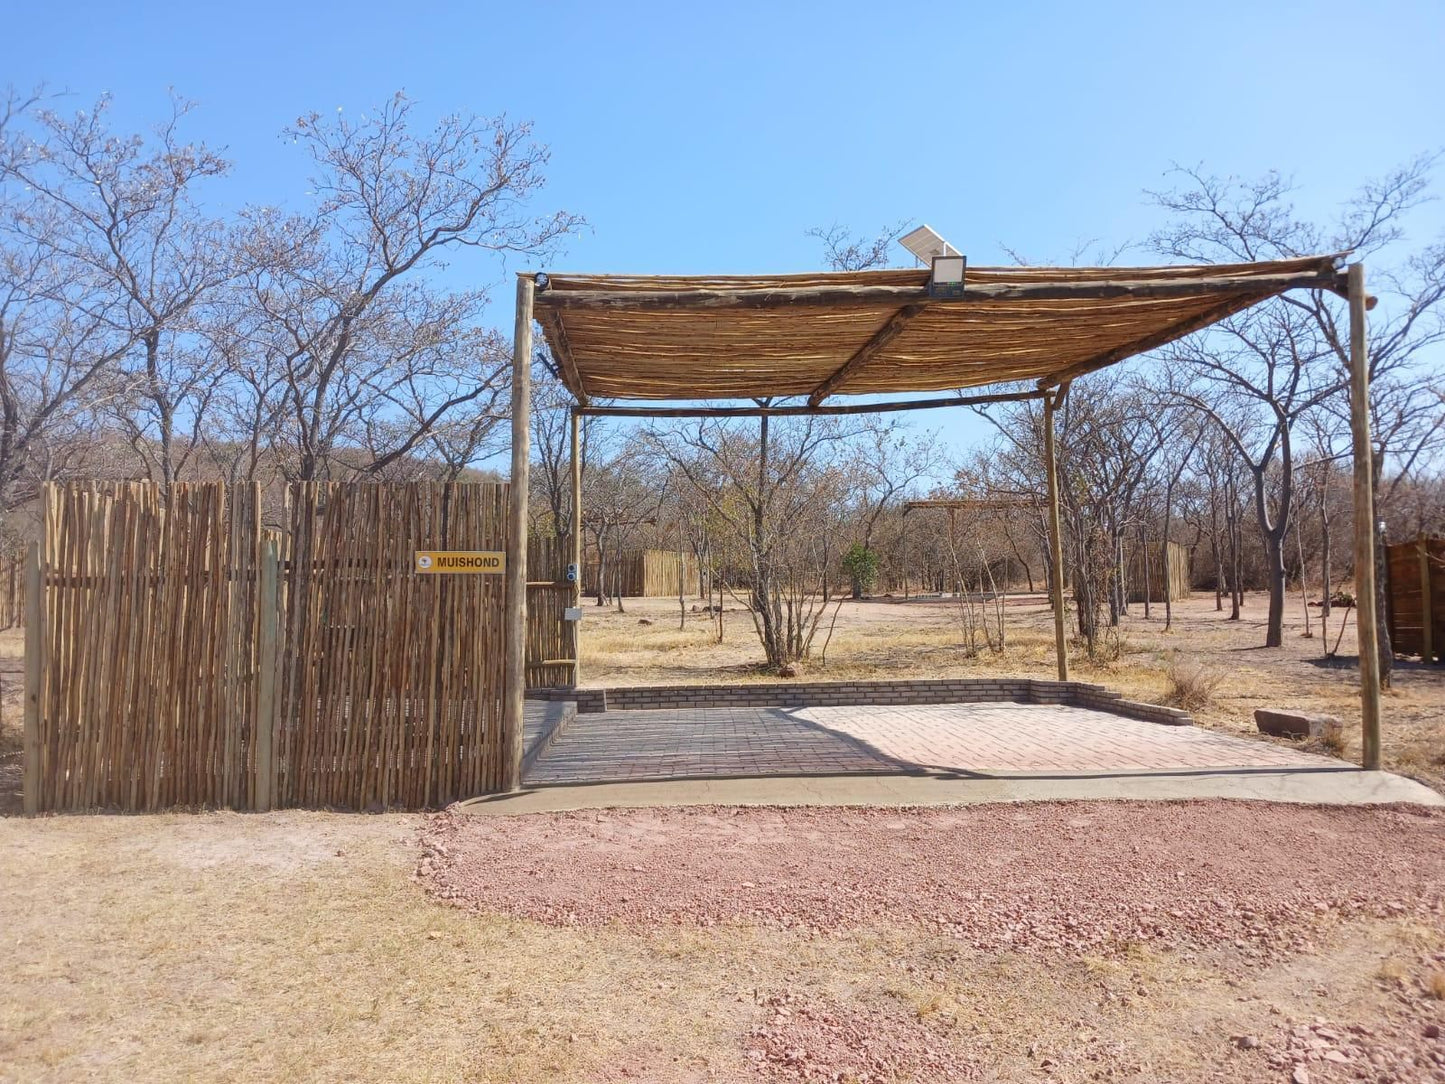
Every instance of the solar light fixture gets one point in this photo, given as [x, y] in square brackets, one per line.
[947, 262]
[947, 277]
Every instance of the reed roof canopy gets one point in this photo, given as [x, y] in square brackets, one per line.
[659, 338]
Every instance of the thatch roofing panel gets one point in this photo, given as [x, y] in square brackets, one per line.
[716, 337]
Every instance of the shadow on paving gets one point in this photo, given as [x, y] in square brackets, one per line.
[705, 743]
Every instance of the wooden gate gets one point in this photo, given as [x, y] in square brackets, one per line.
[392, 687]
[180, 654]
[551, 641]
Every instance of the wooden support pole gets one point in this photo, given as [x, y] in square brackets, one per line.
[516, 630]
[1365, 611]
[575, 596]
[34, 673]
[268, 614]
[1427, 614]
[1056, 539]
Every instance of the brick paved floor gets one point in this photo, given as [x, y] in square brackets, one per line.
[622, 746]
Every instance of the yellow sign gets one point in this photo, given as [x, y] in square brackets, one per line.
[476, 562]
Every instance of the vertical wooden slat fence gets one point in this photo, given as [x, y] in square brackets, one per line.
[145, 643]
[183, 655]
[392, 681]
[1146, 564]
[641, 573]
[1415, 588]
[12, 591]
[551, 645]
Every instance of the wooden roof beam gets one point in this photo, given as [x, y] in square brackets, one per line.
[803, 409]
[881, 338]
[556, 336]
[843, 296]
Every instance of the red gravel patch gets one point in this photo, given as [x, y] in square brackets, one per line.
[812, 1039]
[1324, 1052]
[1067, 877]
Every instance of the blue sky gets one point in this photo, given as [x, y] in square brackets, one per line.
[709, 137]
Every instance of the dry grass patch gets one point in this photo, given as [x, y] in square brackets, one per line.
[178, 948]
[1435, 985]
[1191, 685]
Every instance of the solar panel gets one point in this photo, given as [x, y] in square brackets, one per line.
[925, 243]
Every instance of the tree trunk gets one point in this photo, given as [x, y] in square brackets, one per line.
[1382, 604]
[1236, 591]
[165, 414]
[1164, 559]
[1214, 549]
[617, 571]
[1237, 580]
[1274, 570]
[1144, 561]
[601, 569]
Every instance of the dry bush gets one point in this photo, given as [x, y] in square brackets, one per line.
[1393, 971]
[1191, 686]
[1333, 742]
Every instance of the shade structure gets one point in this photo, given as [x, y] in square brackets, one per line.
[870, 332]
[765, 337]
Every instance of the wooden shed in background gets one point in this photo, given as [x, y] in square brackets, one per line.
[1415, 599]
[644, 574]
[1146, 565]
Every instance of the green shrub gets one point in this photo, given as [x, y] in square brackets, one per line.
[861, 564]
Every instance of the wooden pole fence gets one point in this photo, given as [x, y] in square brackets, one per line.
[179, 655]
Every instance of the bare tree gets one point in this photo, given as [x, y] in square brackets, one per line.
[1176, 436]
[620, 496]
[63, 332]
[120, 212]
[883, 464]
[370, 355]
[845, 251]
[551, 441]
[1260, 372]
[767, 490]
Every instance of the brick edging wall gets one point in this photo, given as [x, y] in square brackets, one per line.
[799, 694]
[588, 701]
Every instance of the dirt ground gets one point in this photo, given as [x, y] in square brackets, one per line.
[784, 946]
[1202, 942]
[892, 638]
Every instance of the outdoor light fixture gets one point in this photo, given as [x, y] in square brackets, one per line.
[947, 278]
[947, 262]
